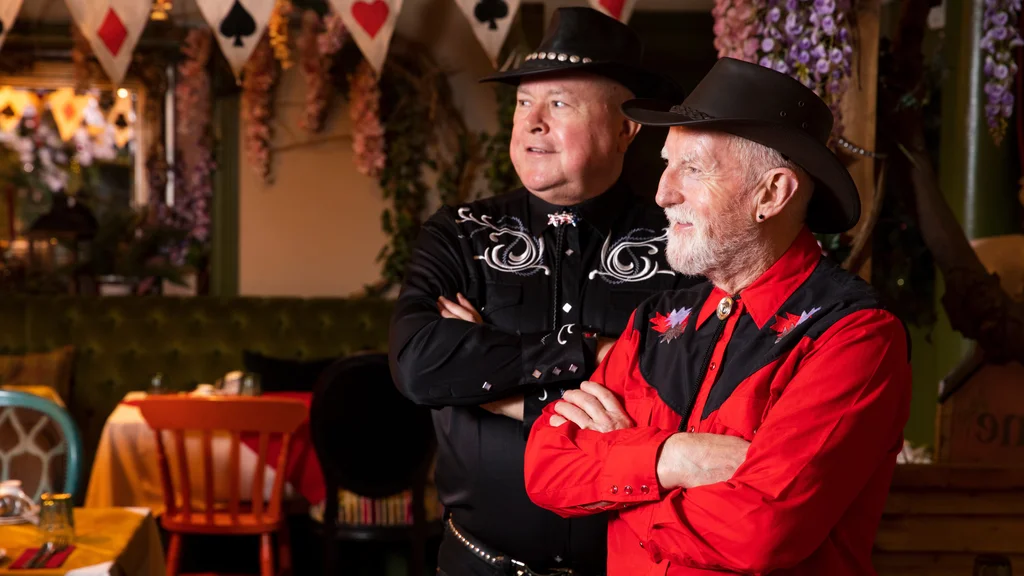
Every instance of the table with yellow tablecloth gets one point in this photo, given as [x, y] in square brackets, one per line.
[125, 470]
[107, 541]
[41, 391]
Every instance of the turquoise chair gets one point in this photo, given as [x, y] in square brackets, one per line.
[24, 436]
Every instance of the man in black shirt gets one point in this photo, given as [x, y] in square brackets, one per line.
[554, 269]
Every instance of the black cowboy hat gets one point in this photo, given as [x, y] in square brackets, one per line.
[585, 40]
[773, 109]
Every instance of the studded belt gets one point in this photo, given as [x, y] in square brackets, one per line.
[501, 561]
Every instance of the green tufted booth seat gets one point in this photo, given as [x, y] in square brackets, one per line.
[120, 342]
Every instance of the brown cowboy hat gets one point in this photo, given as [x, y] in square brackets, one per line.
[585, 40]
[775, 110]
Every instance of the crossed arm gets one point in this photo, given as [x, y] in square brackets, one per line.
[714, 503]
[463, 309]
[450, 360]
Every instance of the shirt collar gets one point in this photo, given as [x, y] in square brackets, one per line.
[600, 211]
[769, 292]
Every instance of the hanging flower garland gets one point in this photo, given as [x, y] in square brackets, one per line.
[1000, 39]
[277, 27]
[80, 54]
[810, 40]
[194, 189]
[261, 74]
[367, 131]
[319, 41]
[735, 29]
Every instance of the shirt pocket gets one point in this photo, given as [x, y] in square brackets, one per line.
[502, 305]
[741, 416]
[640, 405]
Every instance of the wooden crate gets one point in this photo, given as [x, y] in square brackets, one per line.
[939, 518]
[981, 415]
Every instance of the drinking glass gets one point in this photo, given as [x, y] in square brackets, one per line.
[156, 384]
[56, 519]
[251, 384]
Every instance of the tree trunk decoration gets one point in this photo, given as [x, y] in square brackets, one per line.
[975, 302]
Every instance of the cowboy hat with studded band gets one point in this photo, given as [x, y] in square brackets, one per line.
[585, 40]
[775, 110]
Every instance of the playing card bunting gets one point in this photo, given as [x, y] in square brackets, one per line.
[8, 12]
[621, 10]
[68, 111]
[122, 119]
[13, 104]
[371, 24]
[112, 27]
[491, 21]
[238, 26]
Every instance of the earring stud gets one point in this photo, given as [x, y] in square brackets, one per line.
[760, 216]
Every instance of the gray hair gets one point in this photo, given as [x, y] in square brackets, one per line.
[760, 159]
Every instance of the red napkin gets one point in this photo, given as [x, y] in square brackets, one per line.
[54, 562]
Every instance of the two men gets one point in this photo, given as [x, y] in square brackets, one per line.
[750, 424]
[510, 300]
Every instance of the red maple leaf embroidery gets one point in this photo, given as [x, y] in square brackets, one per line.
[670, 326]
[660, 322]
[783, 324]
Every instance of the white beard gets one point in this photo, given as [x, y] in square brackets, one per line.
[708, 246]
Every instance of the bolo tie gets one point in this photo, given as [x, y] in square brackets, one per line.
[561, 221]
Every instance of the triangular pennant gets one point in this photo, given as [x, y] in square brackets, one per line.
[121, 120]
[621, 10]
[13, 104]
[68, 110]
[7, 109]
[371, 23]
[8, 12]
[491, 20]
[238, 26]
[113, 28]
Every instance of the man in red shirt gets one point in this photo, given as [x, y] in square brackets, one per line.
[751, 424]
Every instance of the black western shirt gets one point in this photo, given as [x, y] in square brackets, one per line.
[547, 280]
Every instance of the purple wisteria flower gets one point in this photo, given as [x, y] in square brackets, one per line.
[810, 41]
[998, 43]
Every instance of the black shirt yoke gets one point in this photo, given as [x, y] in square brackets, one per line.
[547, 280]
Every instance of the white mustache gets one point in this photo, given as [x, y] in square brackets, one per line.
[681, 214]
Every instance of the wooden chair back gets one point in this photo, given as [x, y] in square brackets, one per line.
[268, 418]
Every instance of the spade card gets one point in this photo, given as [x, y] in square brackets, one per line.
[490, 11]
[239, 25]
[491, 21]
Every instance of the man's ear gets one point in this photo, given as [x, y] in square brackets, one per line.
[778, 189]
[627, 134]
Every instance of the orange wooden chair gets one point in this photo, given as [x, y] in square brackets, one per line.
[274, 420]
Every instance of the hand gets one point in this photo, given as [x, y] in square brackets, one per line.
[604, 346]
[691, 460]
[592, 407]
[510, 407]
[462, 310]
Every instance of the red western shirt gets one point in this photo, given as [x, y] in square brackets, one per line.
[805, 365]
